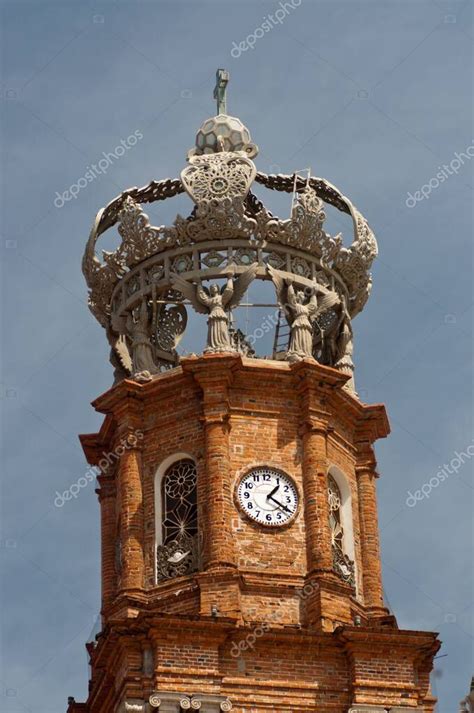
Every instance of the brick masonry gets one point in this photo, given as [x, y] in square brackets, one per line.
[266, 622]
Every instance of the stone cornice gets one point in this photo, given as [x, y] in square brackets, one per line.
[361, 638]
[215, 374]
[95, 444]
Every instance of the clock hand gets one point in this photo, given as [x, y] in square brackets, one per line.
[269, 496]
[279, 503]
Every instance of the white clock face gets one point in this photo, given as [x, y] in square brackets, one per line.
[268, 496]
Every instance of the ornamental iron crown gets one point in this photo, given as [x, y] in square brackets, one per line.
[139, 292]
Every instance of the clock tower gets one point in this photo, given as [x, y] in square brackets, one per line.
[239, 539]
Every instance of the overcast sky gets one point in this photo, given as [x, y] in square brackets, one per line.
[374, 96]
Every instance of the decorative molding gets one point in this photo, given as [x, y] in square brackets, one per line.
[176, 702]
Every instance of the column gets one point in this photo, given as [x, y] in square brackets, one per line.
[315, 467]
[106, 494]
[214, 375]
[131, 515]
[314, 432]
[218, 542]
[369, 531]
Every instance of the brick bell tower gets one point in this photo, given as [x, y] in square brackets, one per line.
[240, 547]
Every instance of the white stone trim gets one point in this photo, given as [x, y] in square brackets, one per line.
[347, 516]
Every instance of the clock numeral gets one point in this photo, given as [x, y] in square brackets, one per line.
[254, 494]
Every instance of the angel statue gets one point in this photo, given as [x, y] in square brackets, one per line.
[132, 350]
[301, 314]
[216, 303]
[138, 330]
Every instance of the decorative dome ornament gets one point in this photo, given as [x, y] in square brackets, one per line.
[140, 293]
[223, 132]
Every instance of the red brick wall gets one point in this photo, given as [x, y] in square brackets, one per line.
[283, 637]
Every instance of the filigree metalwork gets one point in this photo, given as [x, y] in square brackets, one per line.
[214, 259]
[179, 501]
[217, 176]
[177, 558]
[275, 261]
[155, 274]
[300, 267]
[244, 256]
[178, 553]
[342, 564]
[180, 479]
[171, 321]
[182, 263]
[228, 225]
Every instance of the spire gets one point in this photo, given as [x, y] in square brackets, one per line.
[222, 80]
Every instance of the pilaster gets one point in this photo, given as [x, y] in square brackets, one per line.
[107, 499]
[218, 584]
[369, 532]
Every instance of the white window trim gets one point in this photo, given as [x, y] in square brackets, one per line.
[158, 480]
[347, 516]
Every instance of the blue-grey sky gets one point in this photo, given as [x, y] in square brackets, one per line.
[373, 95]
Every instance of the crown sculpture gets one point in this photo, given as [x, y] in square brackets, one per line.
[139, 292]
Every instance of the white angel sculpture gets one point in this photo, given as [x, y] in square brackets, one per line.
[216, 303]
[300, 312]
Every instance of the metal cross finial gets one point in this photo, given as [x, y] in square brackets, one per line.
[222, 79]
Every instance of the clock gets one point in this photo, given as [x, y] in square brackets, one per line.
[267, 496]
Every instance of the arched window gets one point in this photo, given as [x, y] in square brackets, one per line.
[343, 565]
[177, 521]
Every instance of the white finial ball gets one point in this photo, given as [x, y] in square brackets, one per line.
[232, 135]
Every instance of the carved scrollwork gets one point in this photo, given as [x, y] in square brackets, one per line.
[245, 234]
[218, 176]
[154, 700]
[177, 558]
[171, 323]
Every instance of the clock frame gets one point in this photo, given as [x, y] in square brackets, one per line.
[253, 490]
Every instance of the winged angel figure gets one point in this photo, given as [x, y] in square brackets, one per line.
[216, 303]
[301, 312]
